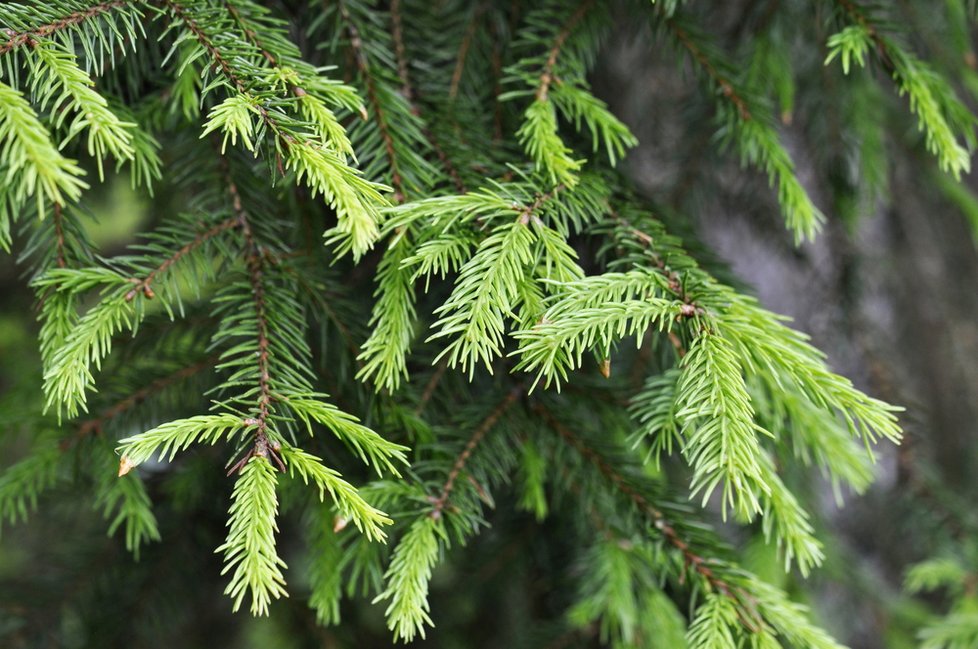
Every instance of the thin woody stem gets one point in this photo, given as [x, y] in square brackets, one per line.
[144, 285]
[691, 559]
[528, 212]
[95, 424]
[429, 389]
[438, 504]
[363, 66]
[30, 38]
[726, 87]
[400, 53]
[59, 236]
[254, 261]
[690, 308]
[463, 51]
[547, 77]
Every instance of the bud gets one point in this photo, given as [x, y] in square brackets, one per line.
[125, 465]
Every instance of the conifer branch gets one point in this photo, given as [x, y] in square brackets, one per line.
[463, 51]
[94, 425]
[400, 54]
[547, 76]
[674, 280]
[692, 560]
[407, 90]
[727, 88]
[218, 58]
[144, 285]
[249, 551]
[939, 112]
[254, 263]
[438, 504]
[747, 124]
[59, 236]
[30, 38]
[363, 66]
[252, 37]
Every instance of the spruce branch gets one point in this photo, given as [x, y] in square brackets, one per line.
[700, 564]
[249, 551]
[350, 504]
[438, 503]
[32, 36]
[34, 166]
[750, 128]
[144, 285]
[254, 262]
[57, 79]
[322, 169]
[22, 483]
[721, 435]
[940, 113]
[170, 438]
[407, 579]
[363, 65]
[382, 454]
[94, 425]
[547, 76]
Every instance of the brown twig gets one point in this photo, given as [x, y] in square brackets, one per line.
[19, 39]
[496, 64]
[689, 308]
[144, 285]
[400, 54]
[95, 424]
[429, 389]
[438, 504]
[363, 66]
[726, 87]
[529, 212]
[59, 235]
[547, 77]
[463, 51]
[254, 261]
[221, 61]
[691, 559]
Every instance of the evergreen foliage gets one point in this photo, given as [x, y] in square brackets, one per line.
[536, 337]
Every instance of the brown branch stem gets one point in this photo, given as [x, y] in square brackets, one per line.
[254, 261]
[547, 77]
[726, 87]
[438, 504]
[144, 285]
[363, 66]
[528, 212]
[95, 424]
[400, 53]
[59, 236]
[429, 389]
[691, 559]
[19, 39]
[463, 51]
